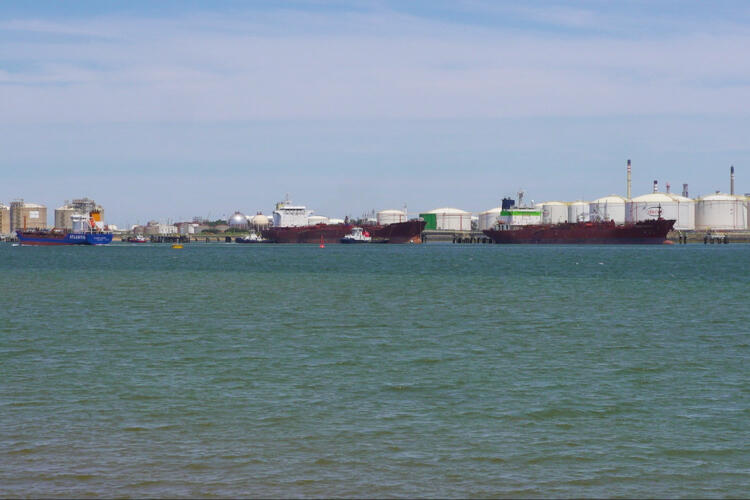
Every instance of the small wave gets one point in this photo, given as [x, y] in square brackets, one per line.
[401, 387]
[427, 361]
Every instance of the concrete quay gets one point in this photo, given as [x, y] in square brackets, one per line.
[444, 236]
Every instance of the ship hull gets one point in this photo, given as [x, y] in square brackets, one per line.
[586, 233]
[399, 232]
[326, 233]
[40, 238]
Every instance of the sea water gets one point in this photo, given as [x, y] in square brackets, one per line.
[384, 370]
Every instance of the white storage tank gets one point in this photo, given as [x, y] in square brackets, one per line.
[610, 207]
[554, 212]
[316, 219]
[578, 211]
[452, 219]
[488, 218]
[721, 211]
[385, 217]
[672, 206]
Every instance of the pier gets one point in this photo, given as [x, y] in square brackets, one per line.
[443, 236]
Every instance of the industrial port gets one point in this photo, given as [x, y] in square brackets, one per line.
[715, 218]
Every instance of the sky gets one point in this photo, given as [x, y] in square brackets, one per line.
[174, 109]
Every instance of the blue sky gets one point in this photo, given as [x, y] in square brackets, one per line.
[168, 110]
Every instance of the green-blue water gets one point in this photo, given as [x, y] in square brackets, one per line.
[413, 370]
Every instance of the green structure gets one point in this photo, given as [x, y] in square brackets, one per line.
[430, 221]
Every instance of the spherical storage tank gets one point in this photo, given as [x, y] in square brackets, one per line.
[554, 212]
[452, 219]
[488, 218]
[672, 206]
[721, 211]
[578, 211]
[238, 221]
[610, 207]
[385, 217]
[259, 221]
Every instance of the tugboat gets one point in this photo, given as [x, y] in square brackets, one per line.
[358, 235]
[138, 238]
[250, 238]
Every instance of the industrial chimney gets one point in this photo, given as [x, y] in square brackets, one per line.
[629, 179]
[685, 191]
[669, 187]
[731, 180]
[656, 186]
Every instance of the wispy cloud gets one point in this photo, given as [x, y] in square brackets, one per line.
[287, 64]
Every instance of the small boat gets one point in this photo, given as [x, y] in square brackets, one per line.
[138, 238]
[358, 235]
[250, 238]
[177, 246]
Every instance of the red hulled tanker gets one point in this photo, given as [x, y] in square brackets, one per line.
[400, 232]
[605, 232]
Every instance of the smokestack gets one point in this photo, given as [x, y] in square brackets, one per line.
[669, 187]
[656, 186]
[629, 179]
[731, 180]
[685, 191]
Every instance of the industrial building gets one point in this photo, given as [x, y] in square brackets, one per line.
[27, 215]
[391, 216]
[447, 219]
[608, 208]
[4, 219]
[155, 228]
[79, 206]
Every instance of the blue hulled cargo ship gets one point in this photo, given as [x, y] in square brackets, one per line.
[85, 232]
[63, 238]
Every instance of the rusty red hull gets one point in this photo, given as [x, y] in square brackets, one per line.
[330, 233]
[401, 232]
[599, 233]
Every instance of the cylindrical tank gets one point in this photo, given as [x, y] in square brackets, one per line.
[392, 216]
[672, 206]
[488, 218]
[554, 212]
[610, 207]
[721, 211]
[317, 219]
[452, 219]
[578, 211]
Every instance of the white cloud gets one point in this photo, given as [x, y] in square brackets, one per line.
[216, 68]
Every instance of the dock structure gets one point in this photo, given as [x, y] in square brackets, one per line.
[446, 236]
[709, 237]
